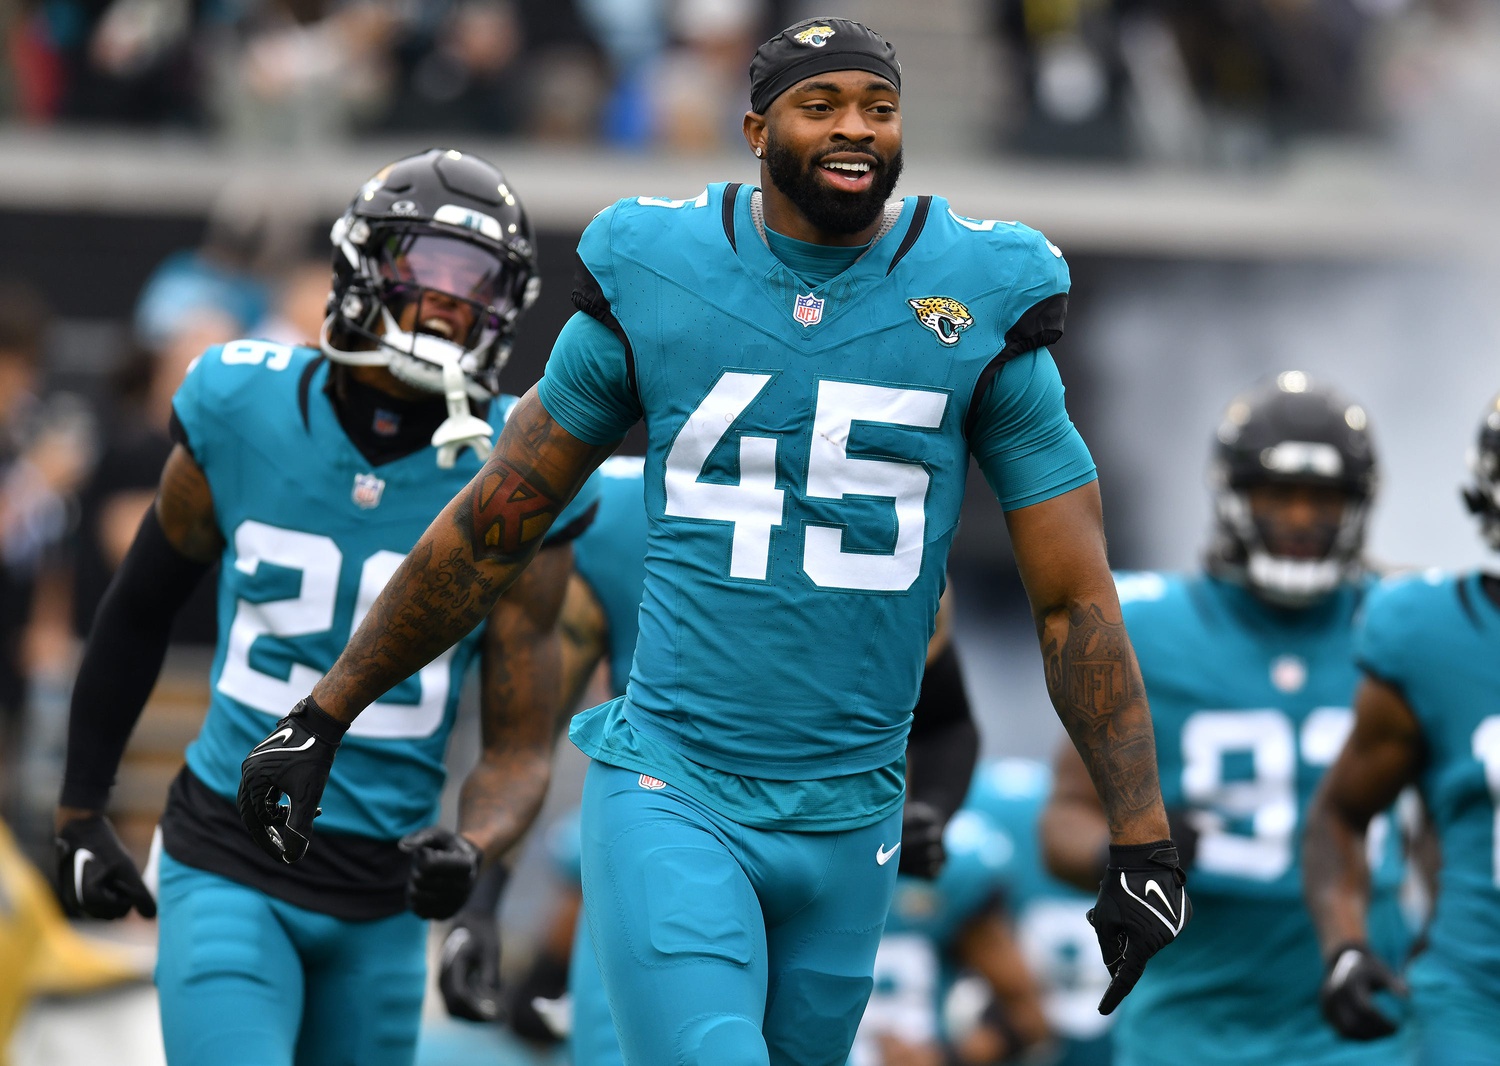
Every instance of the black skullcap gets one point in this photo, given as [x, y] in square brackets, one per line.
[815, 46]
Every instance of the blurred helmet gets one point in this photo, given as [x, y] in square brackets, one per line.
[1291, 431]
[1483, 494]
[431, 231]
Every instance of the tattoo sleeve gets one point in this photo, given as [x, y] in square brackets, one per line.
[1096, 686]
[471, 553]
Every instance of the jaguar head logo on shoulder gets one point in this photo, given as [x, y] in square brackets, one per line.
[944, 315]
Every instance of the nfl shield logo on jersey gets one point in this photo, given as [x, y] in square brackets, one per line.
[367, 491]
[808, 310]
[652, 783]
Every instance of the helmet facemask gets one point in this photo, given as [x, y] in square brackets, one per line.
[435, 308]
[1329, 552]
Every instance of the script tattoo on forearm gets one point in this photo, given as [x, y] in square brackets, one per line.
[1096, 686]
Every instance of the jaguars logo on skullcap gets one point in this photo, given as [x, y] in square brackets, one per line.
[944, 315]
[816, 36]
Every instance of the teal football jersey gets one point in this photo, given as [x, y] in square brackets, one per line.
[1250, 705]
[312, 534]
[806, 459]
[1049, 915]
[915, 967]
[611, 557]
[1436, 638]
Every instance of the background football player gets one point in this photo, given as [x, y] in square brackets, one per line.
[815, 367]
[309, 474]
[1250, 667]
[1427, 713]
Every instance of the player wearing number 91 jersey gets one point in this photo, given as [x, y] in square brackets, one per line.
[1250, 667]
[1428, 713]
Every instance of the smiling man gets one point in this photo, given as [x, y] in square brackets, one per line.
[815, 367]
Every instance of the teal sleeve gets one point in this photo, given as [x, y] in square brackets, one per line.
[587, 388]
[191, 408]
[1024, 441]
[1381, 636]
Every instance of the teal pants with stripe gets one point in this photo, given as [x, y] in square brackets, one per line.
[724, 945]
[247, 980]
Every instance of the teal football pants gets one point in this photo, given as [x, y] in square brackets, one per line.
[247, 980]
[592, 1040]
[1454, 1023]
[724, 945]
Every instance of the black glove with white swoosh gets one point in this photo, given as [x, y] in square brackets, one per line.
[96, 878]
[293, 761]
[1355, 974]
[1142, 907]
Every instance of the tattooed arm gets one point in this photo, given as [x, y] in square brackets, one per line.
[520, 701]
[471, 553]
[1092, 675]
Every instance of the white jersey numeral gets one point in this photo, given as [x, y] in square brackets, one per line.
[318, 560]
[832, 474]
[1486, 746]
[1265, 800]
[254, 353]
[755, 505]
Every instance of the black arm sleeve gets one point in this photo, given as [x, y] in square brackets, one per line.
[944, 742]
[122, 659]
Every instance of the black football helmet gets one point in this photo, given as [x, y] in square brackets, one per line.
[1290, 431]
[1483, 495]
[426, 234]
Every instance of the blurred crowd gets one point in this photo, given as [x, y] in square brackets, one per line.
[79, 461]
[1221, 82]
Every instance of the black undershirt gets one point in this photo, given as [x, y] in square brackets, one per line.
[384, 427]
[349, 877]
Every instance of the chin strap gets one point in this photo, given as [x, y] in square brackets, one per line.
[461, 429]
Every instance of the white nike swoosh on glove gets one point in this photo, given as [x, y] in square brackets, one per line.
[309, 742]
[81, 858]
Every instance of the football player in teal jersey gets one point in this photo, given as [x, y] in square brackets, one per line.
[1048, 915]
[1427, 713]
[599, 625]
[815, 367]
[1250, 667]
[308, 475]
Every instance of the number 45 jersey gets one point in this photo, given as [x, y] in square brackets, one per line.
[807, 453]
[313, 531]
[1250, 705]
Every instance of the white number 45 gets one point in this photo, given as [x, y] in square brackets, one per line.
[755, 505]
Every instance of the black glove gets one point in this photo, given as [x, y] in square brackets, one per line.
[469, 967]
[1142, 907]
[922, 853]
[1184, 835]
[293, 761]
[95, 876]
[1347, 997]
[444, 867]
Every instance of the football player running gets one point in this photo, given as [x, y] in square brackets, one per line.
[1427, 713]
[815, 368]
[599, 624]
[1250, 667]
[308, 475]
